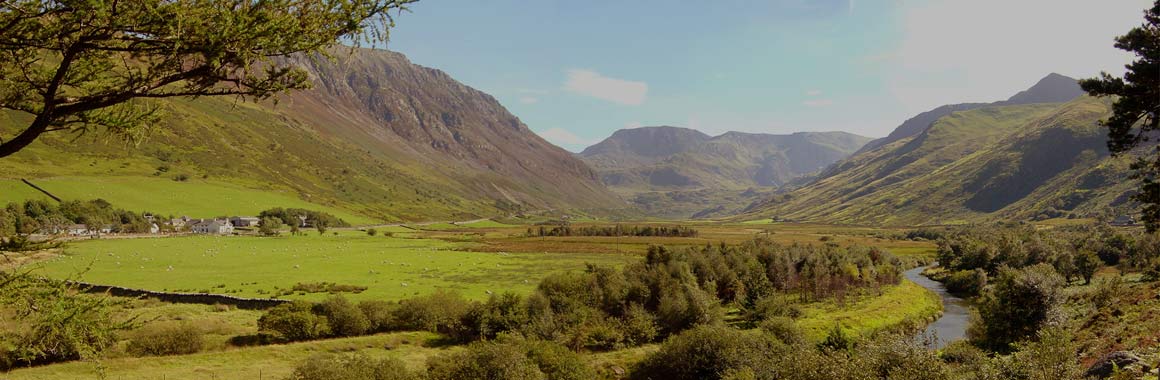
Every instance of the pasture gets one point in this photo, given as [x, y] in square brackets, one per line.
[197, 198]
[391, 268]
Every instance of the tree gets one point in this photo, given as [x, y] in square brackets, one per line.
[321, 226]
[1086, 264]
[269, 226]
[1021, 302]
[1136, 113]
[81, 66]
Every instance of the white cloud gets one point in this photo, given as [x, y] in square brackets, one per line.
[814, 92]
[632, 125]
[529, 100]
[984, 50]
[620, 91]
[818, 102]
[563, 137]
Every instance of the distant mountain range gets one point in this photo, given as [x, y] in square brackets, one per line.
[377, 135]
[680, 172]
[1053, 88]
[1029, 157]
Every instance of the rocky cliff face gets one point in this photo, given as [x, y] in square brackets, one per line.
[421, 116]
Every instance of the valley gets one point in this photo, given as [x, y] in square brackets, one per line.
[406, 190]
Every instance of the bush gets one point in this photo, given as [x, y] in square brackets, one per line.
[510, 358]
[785, 330]
[351, 367]
[344, 318]
[501, 313]
[437, 312]
[967, 282]
[709, 352]
[686, 306]
[638, 325]
[372, 232]
[294, 321]
[1021, 302]
[837, 339]
[167, 339]
[380, 315]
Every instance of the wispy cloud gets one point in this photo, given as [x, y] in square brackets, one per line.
[563, 137]
[620, 91]
[529, 100]
[814, 92]
[634, 124]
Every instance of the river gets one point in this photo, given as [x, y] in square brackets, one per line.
[952, 325]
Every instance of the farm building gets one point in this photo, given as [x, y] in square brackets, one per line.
[212, 226]
[78, 230]
[245, 221]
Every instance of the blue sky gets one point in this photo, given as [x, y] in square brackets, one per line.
[575, 71]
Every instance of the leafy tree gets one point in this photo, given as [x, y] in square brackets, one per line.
[1021, 302]
[82, 65]
[1136, 113]
[1086, 264]
[321, 227]
[269, 226]
[294, 321]
[344, 317]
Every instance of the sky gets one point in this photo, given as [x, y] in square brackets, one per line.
[576, 71]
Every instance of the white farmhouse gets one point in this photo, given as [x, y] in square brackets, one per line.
[212, 226]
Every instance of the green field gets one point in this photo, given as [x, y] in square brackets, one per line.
[391, 268]
[197, 197]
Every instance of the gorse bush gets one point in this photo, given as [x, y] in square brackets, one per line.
[166, 339]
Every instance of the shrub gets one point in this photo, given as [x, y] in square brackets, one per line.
[510, 357]
[440, 311]
[638, 325]
[1020, 303]
[837, 339]
[166, 339]
[294, 321]
[372, 232]
[344, 318]
[351, 367]
[709, 352]
[380, 315]
[501, 313]
[785, 330]
[967, 282]
[485, 360]
[686, 306]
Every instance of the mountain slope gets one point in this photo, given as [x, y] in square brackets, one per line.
[1053, 88]
[678, 172]
[377, 135]
[997, 162]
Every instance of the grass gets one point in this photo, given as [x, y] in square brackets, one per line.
[391, 268]
[196, 197]
[257, 363]
[897, 306]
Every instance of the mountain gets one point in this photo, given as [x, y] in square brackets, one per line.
[377, 135]
[1000, 162]
[1053, 88]
[680, 172]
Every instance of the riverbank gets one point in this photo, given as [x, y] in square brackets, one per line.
[956, 314]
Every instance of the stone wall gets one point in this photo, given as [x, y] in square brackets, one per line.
[198, 298]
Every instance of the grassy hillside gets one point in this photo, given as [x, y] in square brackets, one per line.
[452, 153]
[1018, 162]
